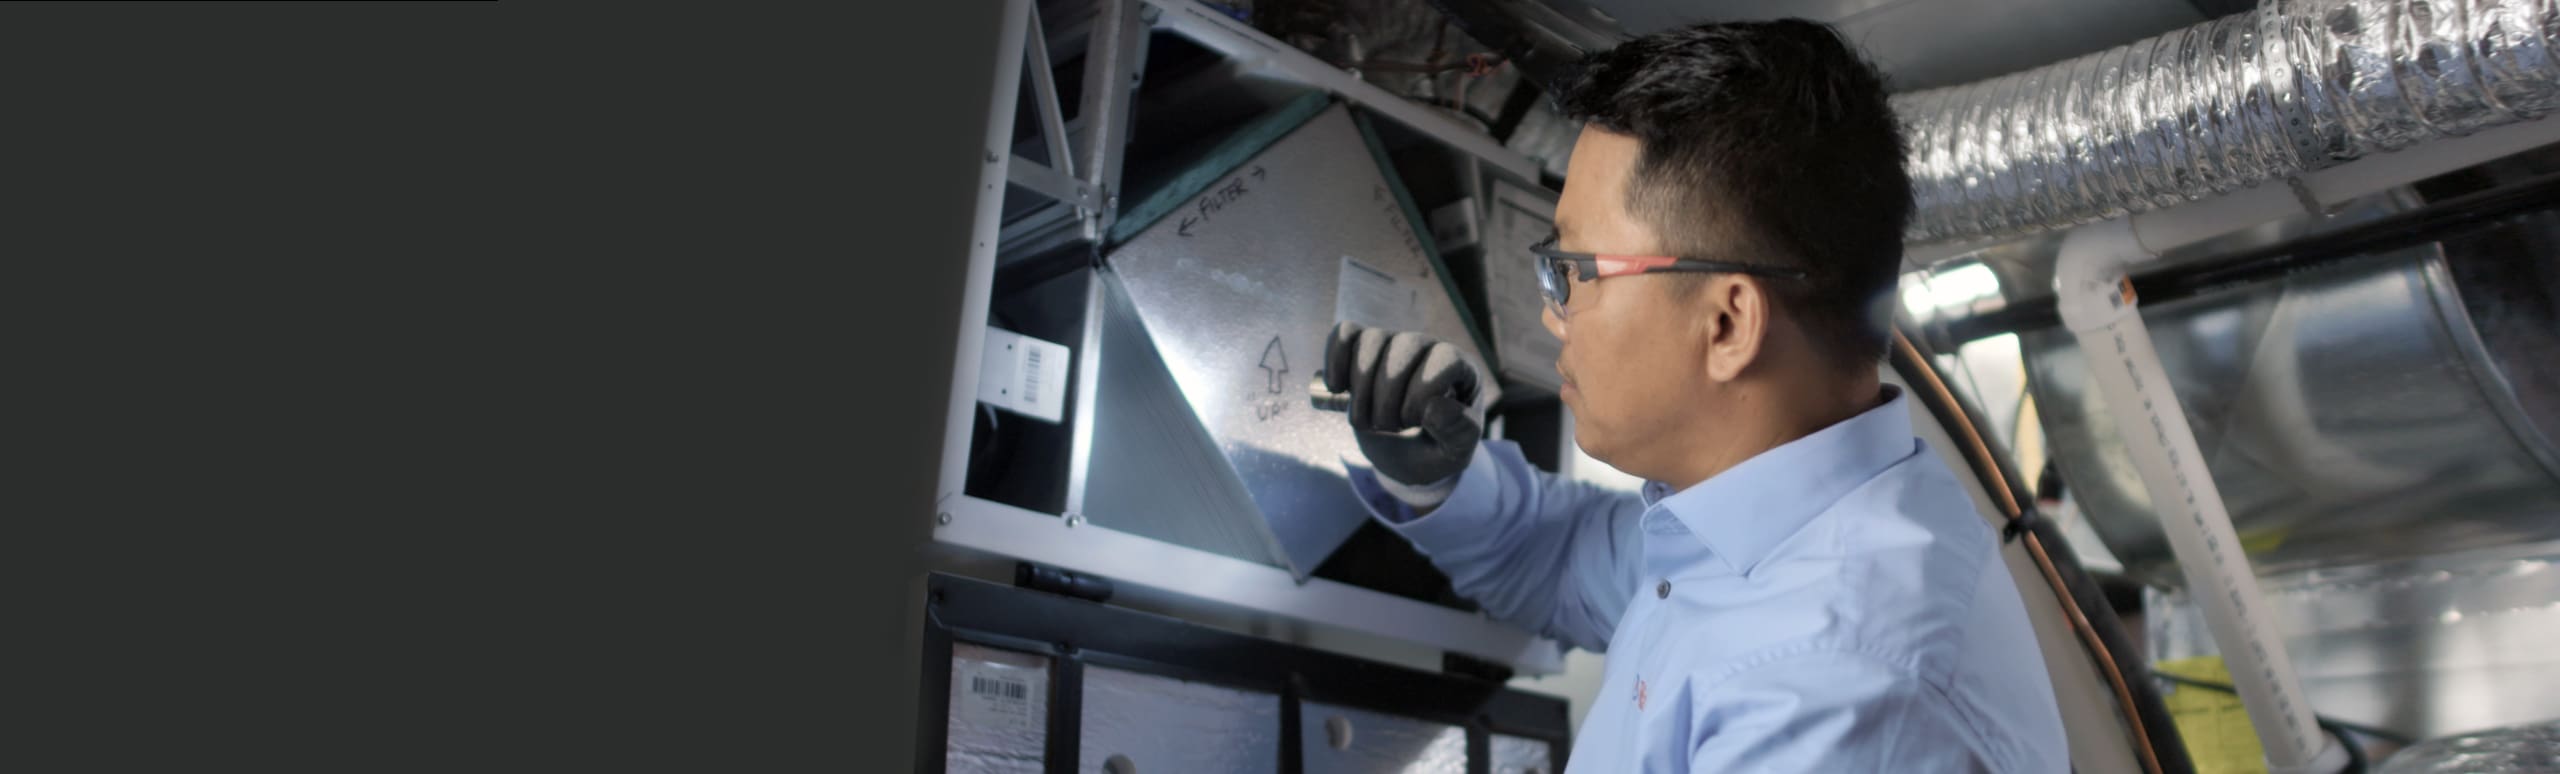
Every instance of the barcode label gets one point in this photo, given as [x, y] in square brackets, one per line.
[999, 710]
[994, 688]
[1000, 695]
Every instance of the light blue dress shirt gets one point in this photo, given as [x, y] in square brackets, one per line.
[1835, 604]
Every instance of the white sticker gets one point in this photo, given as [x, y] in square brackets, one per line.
[1023, 375]
[1374, 298]
[1002, 698]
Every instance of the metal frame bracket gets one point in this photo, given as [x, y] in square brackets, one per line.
[1084, 167]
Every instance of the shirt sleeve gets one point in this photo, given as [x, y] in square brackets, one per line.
[1551, 555]
[1830, 712]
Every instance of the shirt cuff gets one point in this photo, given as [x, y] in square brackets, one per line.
[1422, 496]
[1470, 502]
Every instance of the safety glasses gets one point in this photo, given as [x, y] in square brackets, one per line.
[1557, 269]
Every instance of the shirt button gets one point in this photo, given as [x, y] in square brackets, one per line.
[1662, 590]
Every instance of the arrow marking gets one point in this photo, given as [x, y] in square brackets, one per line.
[1275, 364]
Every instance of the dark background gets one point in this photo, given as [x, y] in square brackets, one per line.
[503, 388]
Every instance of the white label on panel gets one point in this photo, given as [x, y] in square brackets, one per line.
[1023, 375]
[1000, 696]
[1374, 298]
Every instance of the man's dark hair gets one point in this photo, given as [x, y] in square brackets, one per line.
[1765, 142]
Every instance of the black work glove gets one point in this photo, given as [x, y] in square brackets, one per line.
[1399, 381]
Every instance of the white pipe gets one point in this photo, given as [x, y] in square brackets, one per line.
[2095, 297]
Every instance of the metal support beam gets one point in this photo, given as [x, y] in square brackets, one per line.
[1088, 363]
[1044, 93]
[959, 416]
[1111, 68]
[1142, 566]
[1053, 184]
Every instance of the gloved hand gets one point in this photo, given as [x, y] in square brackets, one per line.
[1400, 381]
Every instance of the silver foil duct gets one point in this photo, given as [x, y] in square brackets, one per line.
[2521, 749]
[2291, 87]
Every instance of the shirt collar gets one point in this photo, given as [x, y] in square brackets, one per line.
[1746, 511]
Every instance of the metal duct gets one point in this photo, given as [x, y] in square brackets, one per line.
[1217, 299]
[1138, 722]
[2527, 748]
[2423, 648]
[2389, 408]
[1336, 739]
[2292, 87]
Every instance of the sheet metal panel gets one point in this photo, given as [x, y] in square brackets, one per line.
[1153, 469]
[1147, 723]
[1237, 289]
[1343, 740]
[1521, 755]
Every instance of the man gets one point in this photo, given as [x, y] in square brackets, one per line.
[1803, 586]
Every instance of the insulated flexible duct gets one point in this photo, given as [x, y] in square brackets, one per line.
[2292, 87]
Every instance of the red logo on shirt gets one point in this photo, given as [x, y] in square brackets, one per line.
[1639, 694]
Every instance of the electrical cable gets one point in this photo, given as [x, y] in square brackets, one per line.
[1934, 393]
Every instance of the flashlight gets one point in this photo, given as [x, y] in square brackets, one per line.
[1327, 400]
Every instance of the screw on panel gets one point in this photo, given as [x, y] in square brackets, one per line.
[1337, 732]
[991, 157]
[1075, 520]
[942, 518]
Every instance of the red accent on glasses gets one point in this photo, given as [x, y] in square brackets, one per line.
[1618, 265]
